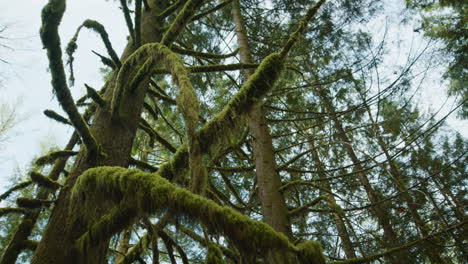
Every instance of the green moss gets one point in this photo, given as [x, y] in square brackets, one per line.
[52, 15]
[180, 21]
[11, 210]
[15, 188]
[310, 252]
[148, 193]
[44, 181]
[52, 156]
[215, 255]
[31, 203]
[93, 94]
[57, 117]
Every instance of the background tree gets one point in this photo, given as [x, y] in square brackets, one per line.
[322, 140]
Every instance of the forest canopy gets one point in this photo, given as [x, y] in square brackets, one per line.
[253, 131]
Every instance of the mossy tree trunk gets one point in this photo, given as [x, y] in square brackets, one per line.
[273, 205]
[115, 136]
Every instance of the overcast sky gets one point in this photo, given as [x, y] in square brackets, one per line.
[26, 79]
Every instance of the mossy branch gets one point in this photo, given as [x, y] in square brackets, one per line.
[311, 12]
[29, 244]
[44, 181]
[213, 68]
[11, 210]
[204, 55]
[105, 60]
[138, 7]
[128, 19]
[57, 117]
[218, 130]
[51, 157]
[98, 28]
[181, 21]
[214, 255]
[15, 188]
[147, 193]
[94, 95]
[30, 203]
[52, 14]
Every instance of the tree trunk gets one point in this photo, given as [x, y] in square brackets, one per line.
[433, 252]
[340, 224]
[274, 208]
[115, 137]
[390, 239]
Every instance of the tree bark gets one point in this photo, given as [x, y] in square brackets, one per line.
[339, 222]
[274, 208]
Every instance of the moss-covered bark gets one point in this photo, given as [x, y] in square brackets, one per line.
[138, 194]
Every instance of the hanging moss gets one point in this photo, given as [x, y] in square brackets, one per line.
[11, 210]
[54, 115]
[52, 14]
[214, 256]
[98, 28]
[148, 193]
[52, 156]
[227, 122]
[213, 68]
[44, 181]
[15, 188]
[30, 203]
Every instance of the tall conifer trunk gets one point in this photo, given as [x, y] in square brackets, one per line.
[274, 210]
[390, 239]
[346, 242]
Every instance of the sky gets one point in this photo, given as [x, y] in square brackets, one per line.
[25, 80]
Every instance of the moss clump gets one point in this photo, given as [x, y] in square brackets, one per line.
[11, 210]
[214, 256]
[57, 117]
[52, 156]
[310, 252]
[31, 203]
[147, 193]
[15, 188]
[44, 181]
[180, 21]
